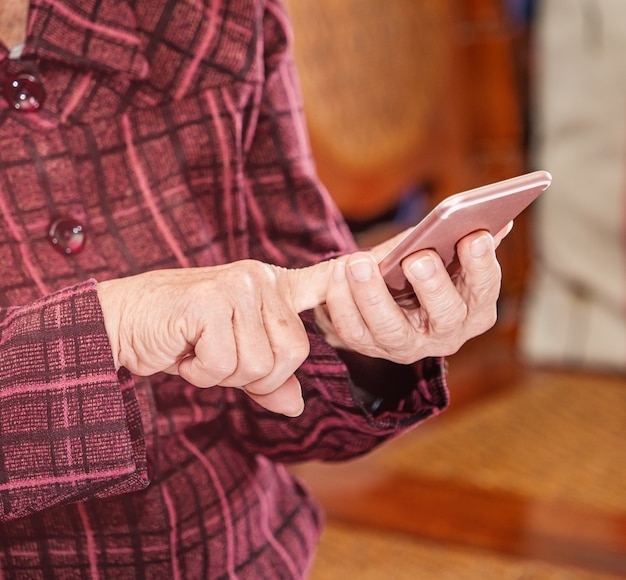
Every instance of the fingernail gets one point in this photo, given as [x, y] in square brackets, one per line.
[361, 270]
[423, 268]
[480, 246]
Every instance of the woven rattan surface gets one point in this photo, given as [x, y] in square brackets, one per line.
[371, 74]
[556, 437]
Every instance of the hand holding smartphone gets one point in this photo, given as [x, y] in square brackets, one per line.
[490, 208]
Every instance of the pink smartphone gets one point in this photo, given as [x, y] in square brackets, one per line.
[489, 208]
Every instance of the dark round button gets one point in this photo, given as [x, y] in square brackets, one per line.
[67, 235]
[24, 92]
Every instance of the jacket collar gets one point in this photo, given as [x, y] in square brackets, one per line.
[100, 34]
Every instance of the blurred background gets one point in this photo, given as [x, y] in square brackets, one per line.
[408, 101]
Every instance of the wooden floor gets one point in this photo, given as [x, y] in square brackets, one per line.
[524, 477]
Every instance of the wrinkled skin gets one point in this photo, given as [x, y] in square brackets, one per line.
[238, 325]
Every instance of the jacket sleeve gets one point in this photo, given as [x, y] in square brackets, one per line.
[70, 427]
[305, 227]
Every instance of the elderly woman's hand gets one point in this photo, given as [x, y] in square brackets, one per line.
[361, 315]
[238, 325]
[235, 325]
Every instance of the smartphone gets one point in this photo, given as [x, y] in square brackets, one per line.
[490, 208]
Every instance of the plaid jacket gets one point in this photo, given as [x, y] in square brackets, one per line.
[172, 131]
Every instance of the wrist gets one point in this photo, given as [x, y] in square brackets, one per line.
[109, 305]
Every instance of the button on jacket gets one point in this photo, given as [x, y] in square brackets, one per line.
[171, 135]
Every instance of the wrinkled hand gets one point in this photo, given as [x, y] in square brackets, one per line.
[235, 325]
[361, 315]
[238, 325]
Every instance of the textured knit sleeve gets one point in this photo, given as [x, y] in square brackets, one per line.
[70, 428]
[305, 227]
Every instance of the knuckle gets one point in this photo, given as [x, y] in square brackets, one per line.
[450, 318]
[486, 320]
[221, 372]
[247, 274]
[294, 354]
[390, 331]
[219, 369]
[490, 279]
[259, 270]
[300, 352]
[352, 335]
[492, 318]
[255, 370]
[491, 289]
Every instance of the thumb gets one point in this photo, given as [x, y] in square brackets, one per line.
[307, 286]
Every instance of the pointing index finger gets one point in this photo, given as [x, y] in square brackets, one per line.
[308, 286]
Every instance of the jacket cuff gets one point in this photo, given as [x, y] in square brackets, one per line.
[71, 429]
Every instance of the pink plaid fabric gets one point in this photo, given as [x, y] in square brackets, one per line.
[173, 131]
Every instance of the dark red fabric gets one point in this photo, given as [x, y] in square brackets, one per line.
[173, 132]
